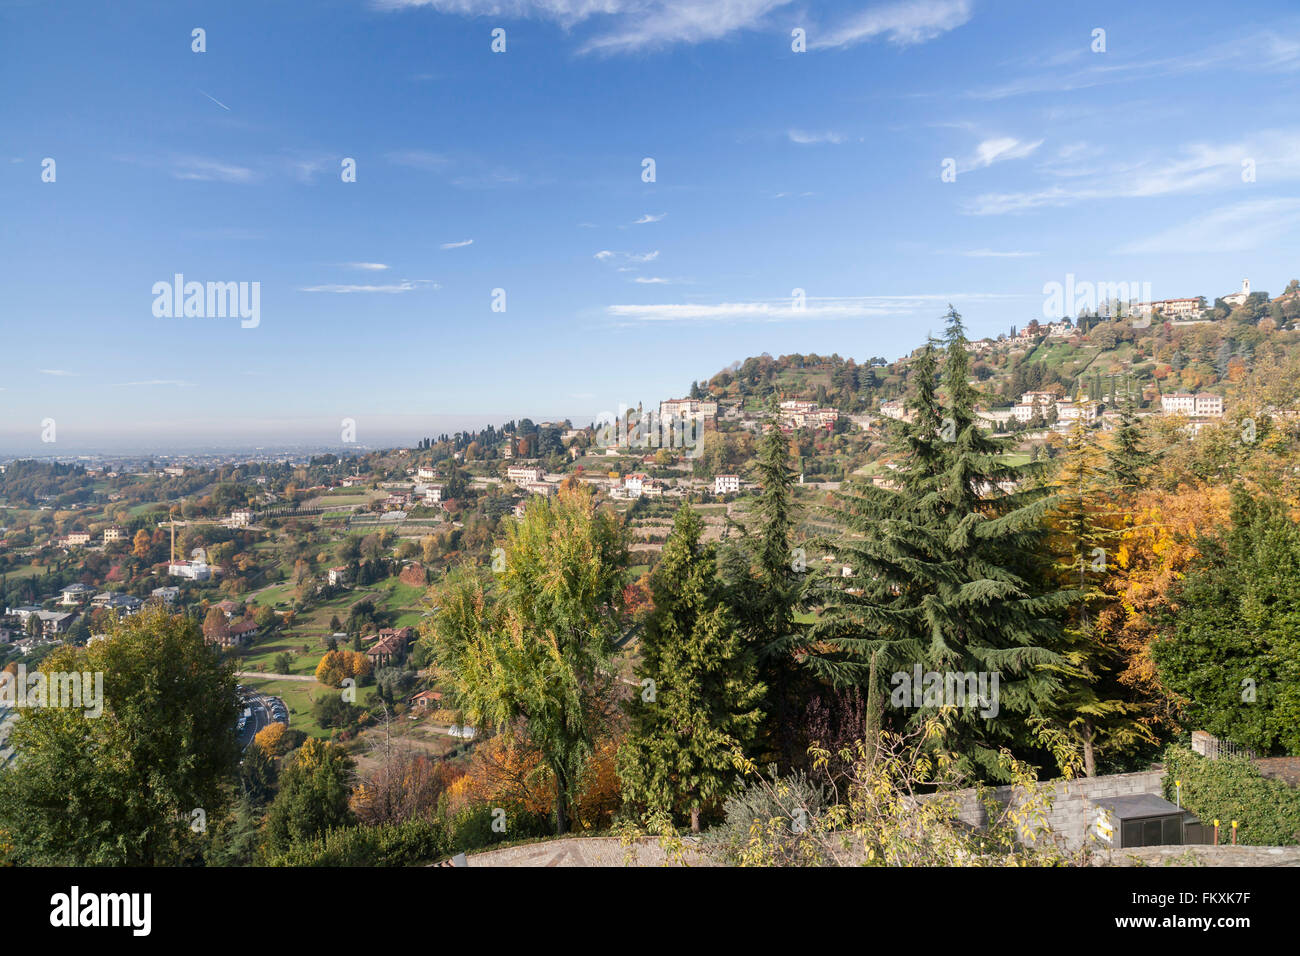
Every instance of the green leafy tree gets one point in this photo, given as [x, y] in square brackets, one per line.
[1232, 647]
[315, 786]
[698, 707]
[535, 648]
[120, 788]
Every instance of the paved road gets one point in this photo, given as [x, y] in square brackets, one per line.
[260, 705]
[590, 851]
[258, 675]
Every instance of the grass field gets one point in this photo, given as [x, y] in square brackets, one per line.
[263, 655]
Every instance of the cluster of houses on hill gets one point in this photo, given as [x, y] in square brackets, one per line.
[83, 539]
[1181, 311]
[1060, 412]
[801, 414]
[634, 485]
[75, 600]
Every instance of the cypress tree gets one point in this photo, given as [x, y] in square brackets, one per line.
[698, 707]
[765, 588]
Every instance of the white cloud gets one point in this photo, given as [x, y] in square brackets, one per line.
[208, 170]
[783, 310]
[1199, 167]
[406, 285]
[457, 245]
[997, 150]
[633, 25]
[367, 266]
[805, 138]
[648, 217]
[58, 372]
[154, 381]
[1240, 227]
[609, 255]
[1259, 52]
[651, 280]
[903, 24]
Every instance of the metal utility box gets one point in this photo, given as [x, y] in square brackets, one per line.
[1141, 819]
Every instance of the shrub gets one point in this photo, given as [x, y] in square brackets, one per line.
[783, 809]
[410, 843]
[1232, 788]
[471, 828]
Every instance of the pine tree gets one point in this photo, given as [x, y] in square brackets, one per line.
[1127, 457]
[1095, 709]
[698, 708]
[764, 589]
[949, 569]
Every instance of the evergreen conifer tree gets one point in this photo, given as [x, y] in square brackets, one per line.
[949, 570]
[699, 702]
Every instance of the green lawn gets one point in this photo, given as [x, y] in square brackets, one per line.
[265, 653]
[276, 594]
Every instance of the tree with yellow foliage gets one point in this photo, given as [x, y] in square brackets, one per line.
[335, 666]
[271, 739]
[141, 544]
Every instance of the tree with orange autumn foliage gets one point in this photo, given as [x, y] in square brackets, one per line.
[1153, 550]
[508, 770]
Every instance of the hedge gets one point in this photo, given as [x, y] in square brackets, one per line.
[1232, 788]
[413, 842]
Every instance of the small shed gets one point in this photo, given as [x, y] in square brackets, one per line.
[1141, 819]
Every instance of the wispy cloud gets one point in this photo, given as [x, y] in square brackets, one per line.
[1239, 227]
[457, 245]
[997, 150]
[1264, 51]
[903, 24]
[609, 255]
[58, 372]
[636, 25]
[786, 310]
[367, 266]
[406, 285]
[649, 217]
[804, 138]
[1199, 167]
[210, 170]
[992, 254]
[154, 381]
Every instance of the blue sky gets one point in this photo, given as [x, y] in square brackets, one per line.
[775, 170]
